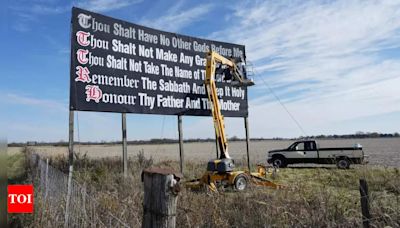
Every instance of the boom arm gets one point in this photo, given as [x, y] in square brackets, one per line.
[212, 59]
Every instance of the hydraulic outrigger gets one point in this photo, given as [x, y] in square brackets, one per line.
[220, 172]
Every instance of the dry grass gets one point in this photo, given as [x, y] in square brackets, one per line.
[315, 197]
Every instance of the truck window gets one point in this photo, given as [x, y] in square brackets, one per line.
[309, 146]
[300, 146]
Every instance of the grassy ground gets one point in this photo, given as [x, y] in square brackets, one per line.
[16, 167]
[316, 197]
[18, 173]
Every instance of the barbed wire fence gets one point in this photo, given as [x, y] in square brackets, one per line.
[376, 214]
[51, 187]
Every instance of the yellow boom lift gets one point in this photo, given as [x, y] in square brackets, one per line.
[221, 172]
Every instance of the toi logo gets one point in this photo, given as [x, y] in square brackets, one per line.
[20, 198]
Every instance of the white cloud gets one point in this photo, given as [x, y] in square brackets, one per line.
[177, 18]
[330, 62]
[18, 99]
[326, 61]
[48, 9]
[28, 13]
[21, 27]
[312, 28]
[32, 131]
[105, 5]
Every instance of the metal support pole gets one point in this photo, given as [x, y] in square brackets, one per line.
[246, 126]
[124, 146]
[71, 138]
[181, 153]
[71, 166]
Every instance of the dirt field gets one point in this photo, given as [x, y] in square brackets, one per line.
[381, 151]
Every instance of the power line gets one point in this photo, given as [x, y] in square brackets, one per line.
[280, 102]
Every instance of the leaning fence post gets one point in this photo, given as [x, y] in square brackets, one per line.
[364, 203]
[161, 188]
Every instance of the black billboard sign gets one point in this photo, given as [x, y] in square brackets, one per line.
[118, 66]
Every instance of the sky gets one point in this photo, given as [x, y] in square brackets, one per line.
[334, 66]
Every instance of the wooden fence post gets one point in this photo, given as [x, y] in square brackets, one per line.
[364, 203]
[161, 188]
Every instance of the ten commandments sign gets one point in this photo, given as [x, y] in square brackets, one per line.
[118, 66]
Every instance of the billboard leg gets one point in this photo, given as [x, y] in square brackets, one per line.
[71, 138]
[181, 155]
[124, 146]
[71, 166]
[246, 126]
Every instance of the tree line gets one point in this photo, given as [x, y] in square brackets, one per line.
[357, 135]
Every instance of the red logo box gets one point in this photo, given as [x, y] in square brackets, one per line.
[20, 198]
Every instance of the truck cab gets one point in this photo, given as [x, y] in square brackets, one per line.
[308, 151]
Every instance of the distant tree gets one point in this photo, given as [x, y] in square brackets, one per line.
[374, 134]
[234, 138]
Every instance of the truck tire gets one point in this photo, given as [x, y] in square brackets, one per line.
[240, 182]
[279, 162]
[342, 163]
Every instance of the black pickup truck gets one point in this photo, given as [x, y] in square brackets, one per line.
[308, 151]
